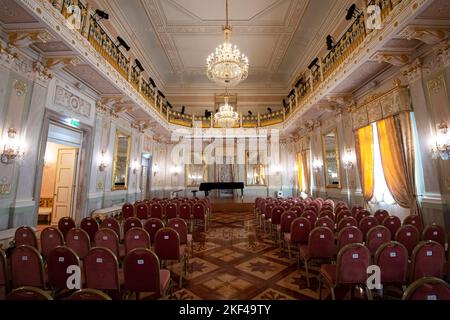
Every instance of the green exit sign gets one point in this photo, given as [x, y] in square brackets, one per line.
[74, 122]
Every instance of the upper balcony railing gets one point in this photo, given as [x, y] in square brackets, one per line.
[102, 42]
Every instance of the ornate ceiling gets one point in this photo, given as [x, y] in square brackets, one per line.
[173, 37]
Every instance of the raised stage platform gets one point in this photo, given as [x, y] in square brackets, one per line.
[235, 204]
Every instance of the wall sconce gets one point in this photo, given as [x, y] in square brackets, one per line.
[11, 148]
[317, 165]
[135, 166]
[103, 161]
[176, 170]
[155, 169]
[347, 160]
[442, 146]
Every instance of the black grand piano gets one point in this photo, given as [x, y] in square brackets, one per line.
[208, 186]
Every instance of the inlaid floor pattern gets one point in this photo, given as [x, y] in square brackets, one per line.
[235, 260]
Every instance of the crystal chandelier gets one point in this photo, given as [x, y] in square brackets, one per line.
[227, 65]
[226, 117]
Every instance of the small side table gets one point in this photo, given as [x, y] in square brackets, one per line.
[194, 193]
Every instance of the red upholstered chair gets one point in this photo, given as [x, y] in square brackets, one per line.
[428, 260]
[156, 211]
[168, 248]
[285, 224]
[428, 288]
[28, 293]
[112, 224]
[298, 210]
[325, 222]
[141, 211]
[27, 267]
[199, 214]
[311, 216]
[142, 273]
[300, 229]
[380, 215]
[393, 223]
[50, 239]
[434, 232]
[349, 235]
[350, 269]
[90, 225]
[131, 223]
[170, 211]
[136, 238]
[327, 214]
[392, 258]
[409, 236]
[267, 213]
[347, 222]
[65, 224]
[102, 270]
[415, 221]
[57, 263]
[89, 295]
[4, 277]
[342, 215]
[180, 226]
[185, 212]
[355, 210]
[127, 211]
[25, 236]
[362, 214]
[152, 226]
[275, 221]
[376, 237]
[367, 223]
[107, 238]
[320, 246]
[78, 240]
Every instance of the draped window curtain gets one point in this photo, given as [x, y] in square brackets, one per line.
[306, 171]
[300, 171]
[365, 159]
[397, 155]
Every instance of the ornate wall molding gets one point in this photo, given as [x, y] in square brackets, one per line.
[431, 35]
[74, 103]
[382, 106]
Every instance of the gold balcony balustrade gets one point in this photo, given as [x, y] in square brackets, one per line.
[346, 45]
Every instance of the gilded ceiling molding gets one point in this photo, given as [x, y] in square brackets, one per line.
[428, 34]
[413, 71]
[398, 59]
[24, 38]
[58, 63]
[42, 72]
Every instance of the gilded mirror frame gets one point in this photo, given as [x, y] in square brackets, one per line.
[338, 160]
[114, 187]
[260, 165]
[188, 169]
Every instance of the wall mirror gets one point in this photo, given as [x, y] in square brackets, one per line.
[331, 155]
[196, 174]
[121, 161]
[255, 171]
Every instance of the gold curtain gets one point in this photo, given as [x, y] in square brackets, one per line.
[306, 171]
[300, 171]
[364, 154]
[397, 156]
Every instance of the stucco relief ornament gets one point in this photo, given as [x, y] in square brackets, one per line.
[20, 87]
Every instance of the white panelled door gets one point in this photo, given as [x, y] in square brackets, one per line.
[64, 183]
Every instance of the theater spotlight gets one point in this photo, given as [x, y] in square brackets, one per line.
[313, 63]
[352, 12]
[169, 105]
[122, 43]
[250, 113]
[291, 93]
[101, 14]
[161, 94]
[139, 65]
[330, 43]
[152, 82]
[183, 109]
[269, 109]
[299, 82]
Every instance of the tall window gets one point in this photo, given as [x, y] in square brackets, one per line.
[381, 192]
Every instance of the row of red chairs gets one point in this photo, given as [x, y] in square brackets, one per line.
[141, 271]
[36, 294]
[190, 210]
